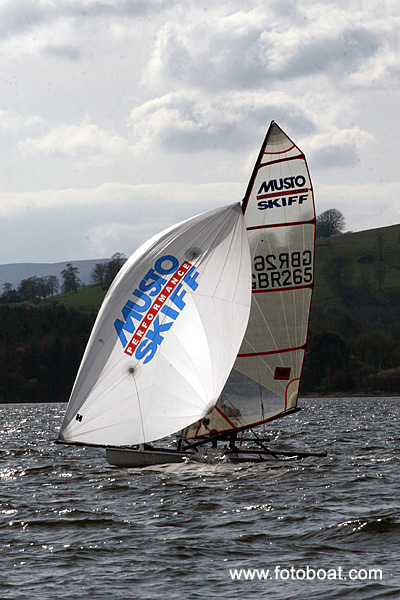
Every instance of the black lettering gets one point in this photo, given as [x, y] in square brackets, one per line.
[295, 259]
[300, 181]
[275, 278]
[263, 281]
[308, 275]
[307, 257]
[259, 263]
[287, 280]
[288, 183]
[297, 276]
[284, 258]
[272, 265]
[266, 187]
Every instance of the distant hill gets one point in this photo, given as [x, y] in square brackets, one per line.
[15, 273]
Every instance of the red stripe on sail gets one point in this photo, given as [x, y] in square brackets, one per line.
[282, 151]
[287, 387]
[285, 193]
[270, 352]
[280, 160]
[285, 289]
[225, 417]
[311, 222]
[157, 305]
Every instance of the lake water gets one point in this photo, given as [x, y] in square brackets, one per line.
[324, 528]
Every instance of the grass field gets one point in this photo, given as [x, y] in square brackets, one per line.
[355, 246]
[352, 245]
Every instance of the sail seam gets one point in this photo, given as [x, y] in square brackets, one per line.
[268, 352]
[266, 226]
[280, 160]
[285, 289]
[282, 151]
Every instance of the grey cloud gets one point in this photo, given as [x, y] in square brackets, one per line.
[19, 15]
[64, 52]
[236, 132]
[344, 52]
[127, 8]
[336, 156]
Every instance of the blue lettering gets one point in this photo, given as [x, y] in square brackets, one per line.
[152, 281]
[166, 271]
[155, 335]
[177, 298]
[146, 348]
[190, 278]
[266, 188]
[170, 312]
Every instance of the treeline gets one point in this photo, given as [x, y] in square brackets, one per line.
[354, 340]
[353, 349]
[40, 288]
[40, 351]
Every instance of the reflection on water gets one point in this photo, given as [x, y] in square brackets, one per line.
[74, 527]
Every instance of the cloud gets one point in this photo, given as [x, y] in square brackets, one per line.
[64, 51]
[336, 147]
[257, 46]
[359, 201]
[192, 122]
[13, 121]
[76, 223]
[86, 144]
[19, 15]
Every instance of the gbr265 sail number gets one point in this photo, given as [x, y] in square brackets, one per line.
[286, 269]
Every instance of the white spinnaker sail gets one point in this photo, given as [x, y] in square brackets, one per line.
[280, 220]
[166, 336]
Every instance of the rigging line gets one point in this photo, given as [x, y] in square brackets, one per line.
[140, 407]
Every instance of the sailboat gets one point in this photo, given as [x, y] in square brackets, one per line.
[203, 332]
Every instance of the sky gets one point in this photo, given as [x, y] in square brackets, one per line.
[119, 118]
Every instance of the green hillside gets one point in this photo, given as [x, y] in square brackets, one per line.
[86, 298]
[363, 287]
[354, 340]
[353, 346]
[355, 246]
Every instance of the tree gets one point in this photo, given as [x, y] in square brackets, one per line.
[338, 273]
[28, 288]
[380, 272]
[98, 274]
[380, 242]
[113, 266]
[327, 356]
[71, 279]
[52, 284]
[8, 290]
[330, 223]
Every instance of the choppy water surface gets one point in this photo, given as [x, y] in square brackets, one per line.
[325, 528]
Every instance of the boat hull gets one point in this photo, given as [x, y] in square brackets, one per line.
[130, 457]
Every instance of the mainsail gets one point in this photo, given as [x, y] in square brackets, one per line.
[166, 336]
[280, 221]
